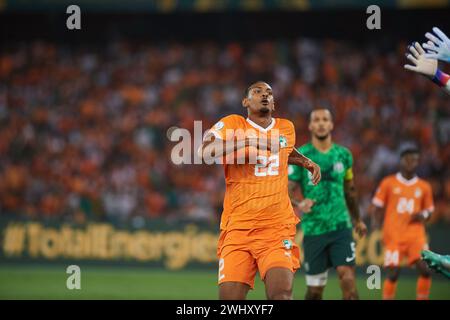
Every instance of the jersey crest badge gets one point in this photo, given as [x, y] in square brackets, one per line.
[283, 142]
[287, 244]
[338, 167]
[418, 193]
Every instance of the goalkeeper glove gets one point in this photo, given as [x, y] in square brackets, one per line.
[438, 45]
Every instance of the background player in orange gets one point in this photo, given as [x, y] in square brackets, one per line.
[408, 203]
[258, 223]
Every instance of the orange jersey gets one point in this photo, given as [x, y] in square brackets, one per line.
[401, 198]
[257, 195]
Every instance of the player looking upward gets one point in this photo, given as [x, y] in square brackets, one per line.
[326, 223]
[258, 223]
[408, 202]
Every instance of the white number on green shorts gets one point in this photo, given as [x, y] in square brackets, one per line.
[353, 248]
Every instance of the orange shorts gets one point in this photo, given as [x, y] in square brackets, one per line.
[395, 252]
[242, 252]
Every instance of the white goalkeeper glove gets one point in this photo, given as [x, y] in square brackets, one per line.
[420, 63]
[438, 45]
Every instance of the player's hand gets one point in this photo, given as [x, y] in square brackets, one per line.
[420, 63]
[305, 205]
[360, 228]
[438, 45]
[315, 171]
[417, 218]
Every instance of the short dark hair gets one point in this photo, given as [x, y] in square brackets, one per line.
[247, 90]
[412, 149]
[321, 108]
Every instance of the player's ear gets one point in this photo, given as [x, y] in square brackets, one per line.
[245, 102]
[332, 126]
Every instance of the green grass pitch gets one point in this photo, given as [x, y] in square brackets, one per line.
[99, 282]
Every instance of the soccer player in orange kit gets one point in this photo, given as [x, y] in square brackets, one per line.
[258, 223]
[408, 203]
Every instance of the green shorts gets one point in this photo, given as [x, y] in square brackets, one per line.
[332, 249]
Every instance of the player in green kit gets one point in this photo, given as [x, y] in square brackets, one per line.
[330, 210]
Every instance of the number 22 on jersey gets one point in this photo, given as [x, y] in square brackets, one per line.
[267, 166]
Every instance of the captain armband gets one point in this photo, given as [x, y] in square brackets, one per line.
[349, 174]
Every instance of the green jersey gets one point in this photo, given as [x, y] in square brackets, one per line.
[329, 212]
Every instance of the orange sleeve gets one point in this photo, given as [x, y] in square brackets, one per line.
[289, 131]
[428, 203]
[219, 130]
[380, 197]
[292, 144]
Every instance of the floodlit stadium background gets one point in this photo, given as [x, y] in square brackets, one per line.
[85, 171]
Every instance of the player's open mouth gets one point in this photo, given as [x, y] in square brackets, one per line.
[265, 102]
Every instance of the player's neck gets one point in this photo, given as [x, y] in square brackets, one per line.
[408, 175]
[262, 121]
[322, 145]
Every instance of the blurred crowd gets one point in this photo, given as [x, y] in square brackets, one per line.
[83, 130]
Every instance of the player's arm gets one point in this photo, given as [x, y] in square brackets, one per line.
[427, 67]
[376, 215]
[376, 208]
[303, 205]
[295, 176]
[422, 216]
[298, 159]
[428, 205]
[351, 198]
[213, 147]
[292, 188]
